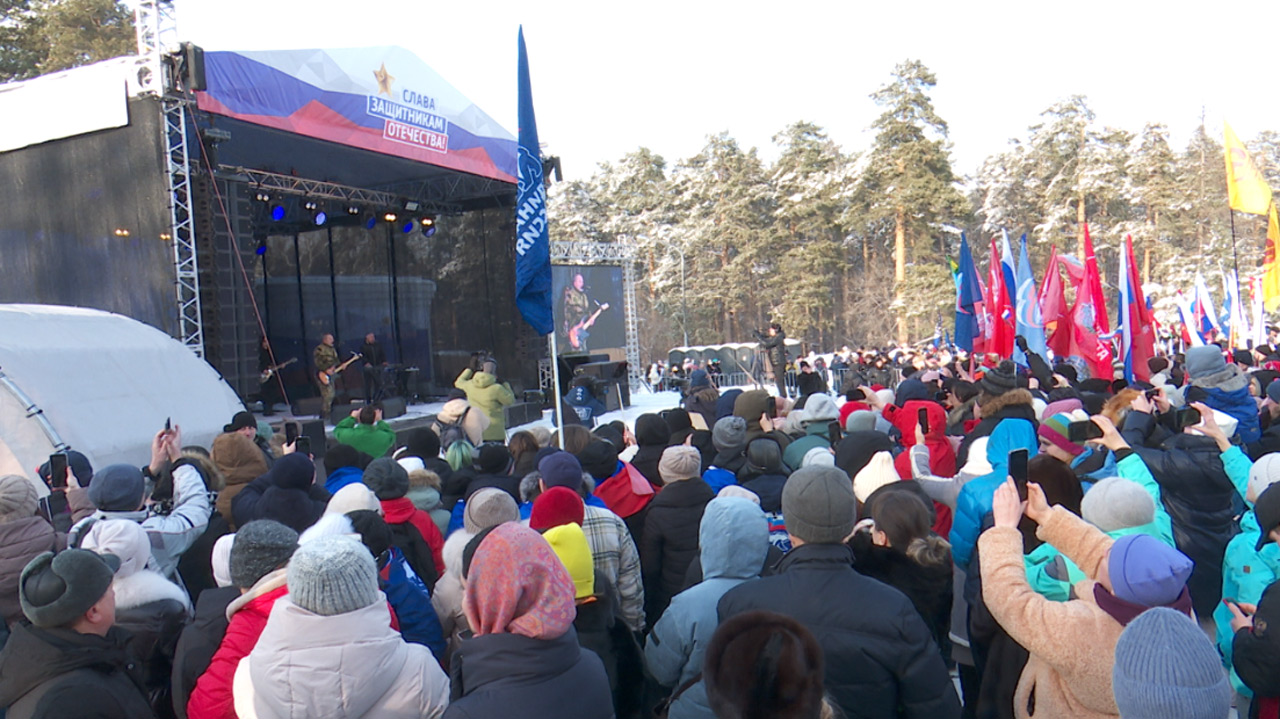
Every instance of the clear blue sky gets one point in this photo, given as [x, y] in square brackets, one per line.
[610, 77]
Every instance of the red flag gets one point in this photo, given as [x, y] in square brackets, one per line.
[1003, 321]
[1090, 317]
[1138, 322]
[1053, 307]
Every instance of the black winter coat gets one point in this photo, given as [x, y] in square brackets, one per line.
[768, 487]
[505, 482]
[928, 586]
[881, 662]
[60, 673]
[153, 629]
[646, 460]
[198, 642]
[545, 678]
[1256, 652]
[670, 541]
[1200, 498]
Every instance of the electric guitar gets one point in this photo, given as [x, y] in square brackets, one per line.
[578, 332]
[267, 373]
[325, 376]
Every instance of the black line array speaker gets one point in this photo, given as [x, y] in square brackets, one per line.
[521, 413]
[340, 411]
[393, 407]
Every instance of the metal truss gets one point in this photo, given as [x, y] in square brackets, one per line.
[289, 185]
[608, 253]
[156, 27]
[182, 223]
[452, 185]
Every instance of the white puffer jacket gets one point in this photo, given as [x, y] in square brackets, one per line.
[346, 666]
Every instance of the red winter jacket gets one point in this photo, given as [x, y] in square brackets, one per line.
[212, 697]
[399, 511]
[942, 456]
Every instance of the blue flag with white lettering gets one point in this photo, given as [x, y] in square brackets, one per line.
[533, 244]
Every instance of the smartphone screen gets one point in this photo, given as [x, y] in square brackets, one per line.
[922, 416]
[303, 446]
[1083, 431]
[168, 424]
[1187, 417]
[58, 470]
[857, 395]
[290, 432]
[1018, 470]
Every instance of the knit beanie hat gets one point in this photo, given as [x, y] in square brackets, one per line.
[820, 408]
[386, 478]
[1204, 360]
[570, 545]
[860, 420]
[818, 457]
[740, 492]
[220, 560]
[555, 507]
[1165, 668]
[999, 380]
[1264, 473]
[599, 459]
[1117, 503]
[489, 507]
[260, 547]
[680, 462]
[344, 455]
[729, 435]
[878, 472]
[1068, 405]
[123, 538]
[1273, 391]
[352, 498]
[80, 467]
[333, 575]
[819, 505]
[1143, 570]
[411, 465]
[1054, 431]
[375, 533]
[17, 498]
[55, 589]
[117, 488]
[561, 469]
[493, 459]
[762, 664]
[291, 507]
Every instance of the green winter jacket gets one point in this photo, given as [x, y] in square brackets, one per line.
[1052, 575]
[484, 392]
[372, 439]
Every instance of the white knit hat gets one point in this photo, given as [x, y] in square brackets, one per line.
[1264, 473]
[878, 472]
[332, 575]
[352, 498]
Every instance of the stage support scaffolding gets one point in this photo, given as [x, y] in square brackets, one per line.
[610, 253]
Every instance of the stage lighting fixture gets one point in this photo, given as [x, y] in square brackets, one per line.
[370, 222]
[408, 227]
[319, 217]
[353, 210]
[261, 249]
[389, 217]
[411, 205]
[121, 232]
[262, 197]
[309, 205]
[277, 212]
[428, 221]
[428, 231]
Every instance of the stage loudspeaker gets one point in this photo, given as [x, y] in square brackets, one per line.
[315, 430]
[521, 413]
[612, 399]
[306, 406]
[340, 411]
[624, 390]
[393, 407]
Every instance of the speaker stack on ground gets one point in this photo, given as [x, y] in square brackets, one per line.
[522, 413]
[611, 387]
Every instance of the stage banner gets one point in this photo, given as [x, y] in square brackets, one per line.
[382, 99]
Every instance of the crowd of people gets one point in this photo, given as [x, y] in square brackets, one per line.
[980, 540]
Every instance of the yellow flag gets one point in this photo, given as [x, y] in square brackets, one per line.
[1270, 267]
[1247, 191]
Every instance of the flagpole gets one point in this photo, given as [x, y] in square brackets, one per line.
[1235, 260]
[557, 415]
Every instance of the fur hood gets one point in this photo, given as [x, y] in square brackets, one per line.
[145, 587]
[1227, 379]
[1013, 397]
[209, 472]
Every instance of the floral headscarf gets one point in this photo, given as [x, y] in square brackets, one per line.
[517, 585]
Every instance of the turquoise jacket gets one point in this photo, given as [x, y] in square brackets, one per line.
[1245, 571]
[976, 497]
[1052, 575]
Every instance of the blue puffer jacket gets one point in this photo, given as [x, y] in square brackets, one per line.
[1241, 406]
[341, 477]
[411, 600]
[976, 496]
[734, 539]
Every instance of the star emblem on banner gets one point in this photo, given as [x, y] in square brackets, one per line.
[384, 79]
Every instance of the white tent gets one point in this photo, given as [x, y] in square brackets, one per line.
[99, 383]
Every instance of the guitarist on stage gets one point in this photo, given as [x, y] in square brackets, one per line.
[269, 388]
[576, 306]
[325, 357]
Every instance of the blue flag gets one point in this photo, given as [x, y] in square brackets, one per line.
[968, 296]
[533, 244]
[1030, 323]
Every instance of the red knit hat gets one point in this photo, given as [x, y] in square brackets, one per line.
[556, 506]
